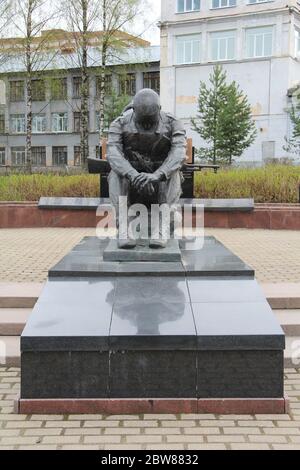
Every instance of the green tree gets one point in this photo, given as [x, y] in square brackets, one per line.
[223, 119]
[293, 142]
[114, 106]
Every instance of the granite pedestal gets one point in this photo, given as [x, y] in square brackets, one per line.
[122, 337]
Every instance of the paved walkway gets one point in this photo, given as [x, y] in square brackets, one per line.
[27, 254]
[186, 431]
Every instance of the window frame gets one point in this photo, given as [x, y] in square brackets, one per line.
[222, 6]
[17, 97]
[127, 84]
[185, 10]
[59, 148]
[13, 157]
[41, 90]
[44, 123]
[179, 39]
[108, 84]
[2, 156]
[2, 124]
[14, 128]
[76, 87]
[150, 78]
[258, 2]
[77, 155]
[297, 42]
[59, 118]
[55, 95]
[41, 156]
[247, 31]
[229, 37]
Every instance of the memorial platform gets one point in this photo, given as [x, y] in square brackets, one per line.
[198, 336]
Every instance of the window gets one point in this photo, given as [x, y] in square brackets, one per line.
[223, 3]
[17, 123]
[59, 156]
[59, 122]
[77, 81]
[152, 80]
[77, 155]
[59, 88]
[108, 85]
[187, 5]
[222, 45]
[2, 124]
[297, 42]
[106, 122]
[18, 156]
[259, 41]
[2, 156]
[38, 123]
[128, 85]
[16, 88]
[76, 119]
[188, 49]
[38, 90]
[38, 156]
[258, 1]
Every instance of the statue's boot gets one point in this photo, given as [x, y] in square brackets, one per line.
[126, 243]
[160, 243]
[159, 237]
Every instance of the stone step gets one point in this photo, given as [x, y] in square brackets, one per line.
[289, 321]
[13, 320]
[19, 295]
[292, 351]
[10, 348]
[282, 295]
[10, 351]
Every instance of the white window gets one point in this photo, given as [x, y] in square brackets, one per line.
[259, 1]
[184, 6]
[2, 156]
[188, 49]
[18, 156]
[38, 123]
[222, 45]
[223, 3]
[60, 122]
[259, 41]
[17, 123]
[297, 42]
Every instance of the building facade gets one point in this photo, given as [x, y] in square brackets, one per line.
[258, 44]
[56, 105]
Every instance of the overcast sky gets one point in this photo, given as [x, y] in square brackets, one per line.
[152, 33]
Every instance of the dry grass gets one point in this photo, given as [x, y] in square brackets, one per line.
[273, 183]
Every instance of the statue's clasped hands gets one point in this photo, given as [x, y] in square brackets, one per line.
[144, 182]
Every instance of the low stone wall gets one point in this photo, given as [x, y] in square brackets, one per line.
[264, 216]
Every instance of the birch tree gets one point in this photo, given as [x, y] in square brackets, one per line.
[28, 19]
[82, 19]
[115, 16]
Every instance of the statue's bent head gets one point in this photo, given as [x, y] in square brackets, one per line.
[146, 105]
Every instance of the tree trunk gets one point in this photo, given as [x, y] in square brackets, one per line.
[103, 74]
[84, 131]
[29, 89]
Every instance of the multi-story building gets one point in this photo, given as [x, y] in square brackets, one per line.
[256, 41]
[56, 101]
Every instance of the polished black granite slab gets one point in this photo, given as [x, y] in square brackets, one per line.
[90, 203]
[206, 257]
[148, 333]
[142, 252]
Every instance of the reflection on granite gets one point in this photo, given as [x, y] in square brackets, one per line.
[214, 259]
